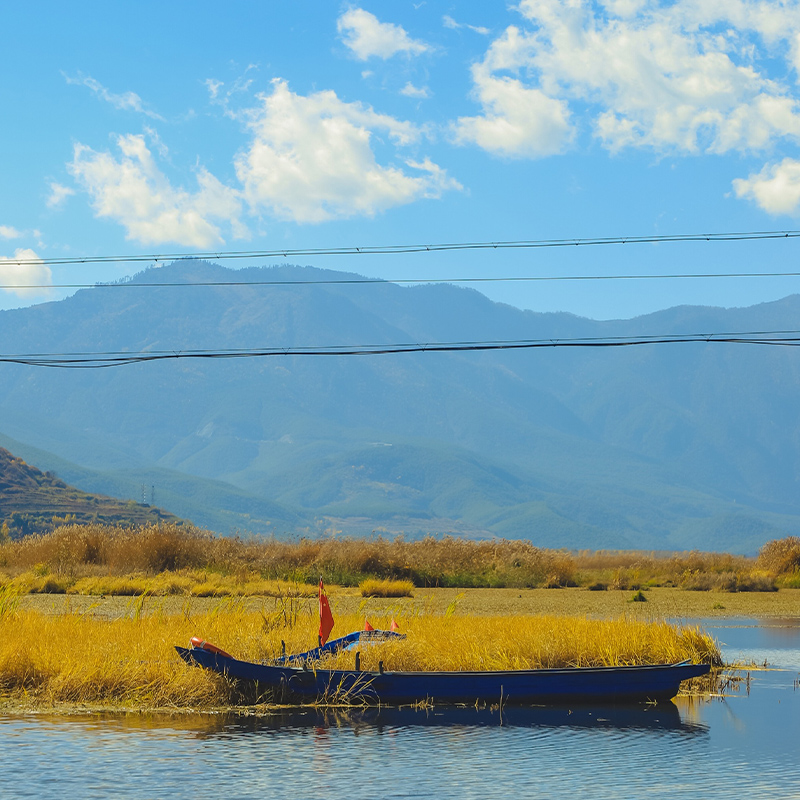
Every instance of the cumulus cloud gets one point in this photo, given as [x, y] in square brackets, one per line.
[58, 194]
[517, 120]
[24, 269]
[673, 77]
[776, 189]
[311, 159]
[9, 232]
[126, 101]
[366, 36]
[131, 190]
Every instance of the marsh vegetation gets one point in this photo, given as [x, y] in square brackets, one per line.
[170, 559]
[129, 661]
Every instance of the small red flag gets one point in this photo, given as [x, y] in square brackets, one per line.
[325, 616]
[367, 626]
[394, 626]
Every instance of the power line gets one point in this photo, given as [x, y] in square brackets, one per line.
[383, 281]
[98, 360]
[527, 244]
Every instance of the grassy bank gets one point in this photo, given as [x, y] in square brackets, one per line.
[129, 661]
[176, 560]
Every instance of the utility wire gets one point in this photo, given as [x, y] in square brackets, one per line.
[384, 281]
[115, 359]
[527, 244]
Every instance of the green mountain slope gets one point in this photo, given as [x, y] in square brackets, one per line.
[680, 446]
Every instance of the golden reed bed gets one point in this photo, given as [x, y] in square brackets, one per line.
[48, 660]
[168, 559]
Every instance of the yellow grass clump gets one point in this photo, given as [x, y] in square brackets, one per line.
[130, 661]
[374, 587]
[196, 583]
[781, 556]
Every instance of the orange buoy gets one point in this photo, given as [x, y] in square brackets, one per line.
[201, 644]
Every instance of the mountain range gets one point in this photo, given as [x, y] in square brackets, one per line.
[661, 446]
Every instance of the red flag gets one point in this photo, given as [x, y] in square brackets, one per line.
[325, 616]
[367, 626]
[394, 626]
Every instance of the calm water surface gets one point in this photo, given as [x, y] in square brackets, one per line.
[746, 745]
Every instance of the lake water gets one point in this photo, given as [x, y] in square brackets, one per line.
[746, 745]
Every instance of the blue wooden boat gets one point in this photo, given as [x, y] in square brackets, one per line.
[297, 679]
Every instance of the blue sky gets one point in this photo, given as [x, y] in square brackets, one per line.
[192, 126]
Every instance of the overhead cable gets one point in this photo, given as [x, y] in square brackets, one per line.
[99, 360]
[527, 244]
[400, 281]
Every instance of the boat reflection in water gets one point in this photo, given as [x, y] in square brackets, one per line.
[661, 717]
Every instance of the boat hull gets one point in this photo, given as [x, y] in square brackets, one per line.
[652, 683]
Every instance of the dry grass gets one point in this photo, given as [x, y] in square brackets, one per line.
[491, 643]
[386, 588]
[176, 559]
[46, 660]
[196, 583]
[77, 551]
[781, 559]
[130, 661]
[693, 570]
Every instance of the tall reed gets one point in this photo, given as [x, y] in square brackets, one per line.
[131, 662]
[58, 561]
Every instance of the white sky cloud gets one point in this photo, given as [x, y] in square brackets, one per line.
[127, 101]
[517, 120]
[15, 275]
[222, 94]
[449, 22]
[58, 194]
[213, 87]
[420, 92]
[776, 189]
[132, 191]
[366, 36]
[682, 77]
[311, 159]
[9, 232]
